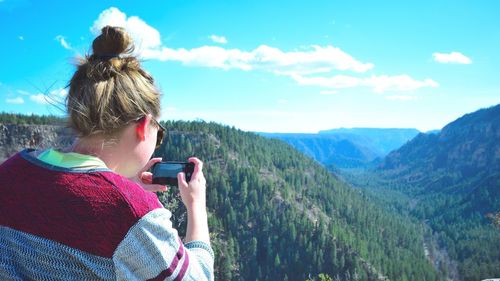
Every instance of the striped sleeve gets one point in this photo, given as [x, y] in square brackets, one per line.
[152, 250]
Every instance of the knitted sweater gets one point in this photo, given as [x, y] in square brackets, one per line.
[59, 223]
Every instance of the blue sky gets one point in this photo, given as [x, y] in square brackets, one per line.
[271, 66]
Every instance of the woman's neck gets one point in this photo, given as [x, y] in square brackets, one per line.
[104, 149]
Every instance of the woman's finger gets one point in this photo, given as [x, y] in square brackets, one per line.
[198, 166]
[150, 164]
[154, 187]
[147, 177]
[181, 179]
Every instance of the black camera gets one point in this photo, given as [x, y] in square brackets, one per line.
[165, 173]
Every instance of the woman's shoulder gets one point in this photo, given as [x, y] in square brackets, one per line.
[102, 189]
[139, 200]
[91, 211]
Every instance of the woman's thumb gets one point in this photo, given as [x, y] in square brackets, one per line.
[181, 178]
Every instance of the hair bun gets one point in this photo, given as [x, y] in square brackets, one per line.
[112, 42]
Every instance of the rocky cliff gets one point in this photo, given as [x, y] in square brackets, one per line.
[14, 138]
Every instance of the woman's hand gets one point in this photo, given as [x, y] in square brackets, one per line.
[193, 193]
[145, 179]
[193, 197]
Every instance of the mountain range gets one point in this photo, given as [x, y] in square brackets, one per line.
[448, 179]
[348, 148]
[452, 182]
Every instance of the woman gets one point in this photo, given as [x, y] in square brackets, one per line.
[89, 212]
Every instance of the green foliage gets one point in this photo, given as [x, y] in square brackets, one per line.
[33, 119]
[495, 218]
[450, 180]
[321, 277]
[460, 222]
[275, 214]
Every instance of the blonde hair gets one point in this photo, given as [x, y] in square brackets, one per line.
[109, 89]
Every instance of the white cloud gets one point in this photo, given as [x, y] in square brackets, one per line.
[301, 65]
[282, 101]
[63, 42]
[453, 57]
[218, 39]
[206, 56]
[316, 59]
[54, 96]
[40, 98]
[20, 37]
[403, 82]
[145, 37]
[18, 100]
[149, 46]
[23, 92]
[379, 84]
[59, 93]
[399, 97]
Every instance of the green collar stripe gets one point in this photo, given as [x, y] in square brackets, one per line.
[71, 160]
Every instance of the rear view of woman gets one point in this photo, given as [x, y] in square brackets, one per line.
[89, 212]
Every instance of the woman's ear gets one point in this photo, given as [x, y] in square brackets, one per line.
[142, 126]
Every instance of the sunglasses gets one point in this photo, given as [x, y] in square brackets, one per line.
[161, 131]
[160, 134]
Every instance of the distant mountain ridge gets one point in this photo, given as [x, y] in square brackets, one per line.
[453, 178]
[348, 148]
[384, 139]
[467, 147]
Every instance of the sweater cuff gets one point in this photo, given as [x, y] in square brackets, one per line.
[200, 244]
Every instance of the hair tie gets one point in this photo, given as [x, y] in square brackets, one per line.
[107, 56]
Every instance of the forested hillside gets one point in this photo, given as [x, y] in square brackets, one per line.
[278, 215]
[453, 181]
[31, 119]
